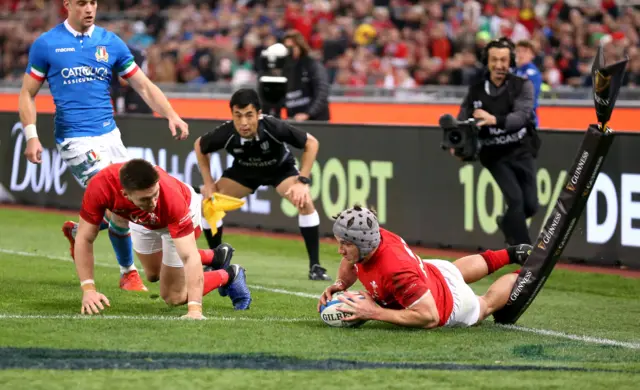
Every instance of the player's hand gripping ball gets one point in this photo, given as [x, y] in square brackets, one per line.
[331, 316]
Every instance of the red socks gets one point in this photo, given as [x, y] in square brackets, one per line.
[214, 279]
[495, 259]
[206, 256]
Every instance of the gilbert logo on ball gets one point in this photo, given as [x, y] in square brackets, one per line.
[331, 316]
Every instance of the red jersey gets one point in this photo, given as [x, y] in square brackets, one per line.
[397, 278]
[104, 192]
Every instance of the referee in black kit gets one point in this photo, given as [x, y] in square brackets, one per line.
[259, 145]
[502, 105]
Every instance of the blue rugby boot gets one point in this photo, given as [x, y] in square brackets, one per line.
[237, 288]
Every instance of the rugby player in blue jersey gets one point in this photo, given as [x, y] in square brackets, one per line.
[525, 54]
[79, 59]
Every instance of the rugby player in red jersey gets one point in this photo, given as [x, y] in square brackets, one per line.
[166, 216]
[404, 289]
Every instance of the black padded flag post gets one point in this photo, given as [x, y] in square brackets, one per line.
[557, 230]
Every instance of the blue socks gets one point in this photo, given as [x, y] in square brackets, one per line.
[122, 246]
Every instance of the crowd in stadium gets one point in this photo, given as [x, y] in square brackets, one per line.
[386, 43]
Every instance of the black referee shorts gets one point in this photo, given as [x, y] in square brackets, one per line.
[254, 178]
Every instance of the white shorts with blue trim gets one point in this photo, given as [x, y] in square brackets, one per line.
[86, 156]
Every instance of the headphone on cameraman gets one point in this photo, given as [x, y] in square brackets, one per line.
[500, 43]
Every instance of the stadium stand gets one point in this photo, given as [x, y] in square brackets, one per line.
[383, 43]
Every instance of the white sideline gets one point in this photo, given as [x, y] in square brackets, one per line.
[143, 318]
[543, 332]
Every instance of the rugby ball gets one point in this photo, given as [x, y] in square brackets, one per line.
[333, 317]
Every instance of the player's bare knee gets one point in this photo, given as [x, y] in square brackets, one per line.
[152, 278]
[223, 190]
[484, 309]
[174, 299]
[230, 187]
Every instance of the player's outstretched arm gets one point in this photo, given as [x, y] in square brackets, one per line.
[92, 300]
[422, 314]
[87, 234]
[188, 251]
[153, 96]
[347, 276]
[27, 112]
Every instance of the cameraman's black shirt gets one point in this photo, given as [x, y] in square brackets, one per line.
[512, 105]
[266, 151]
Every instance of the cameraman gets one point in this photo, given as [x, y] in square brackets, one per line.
[502, 105]
[308, 84]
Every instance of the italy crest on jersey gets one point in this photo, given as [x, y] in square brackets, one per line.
[92, 156]
[101, 54]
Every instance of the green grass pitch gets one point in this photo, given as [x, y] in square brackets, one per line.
[582, 331]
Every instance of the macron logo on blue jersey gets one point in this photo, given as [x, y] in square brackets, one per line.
[79, 68]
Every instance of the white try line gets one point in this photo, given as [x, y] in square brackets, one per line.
[143, 318]
[542, 332]
[586, 339]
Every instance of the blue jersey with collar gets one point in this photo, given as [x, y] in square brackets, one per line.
[531, 72]
[79, 69]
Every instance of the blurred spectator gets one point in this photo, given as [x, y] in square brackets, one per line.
[360, 42]
[308, 85]
[125, 98]
[525, 54]
[552, 76]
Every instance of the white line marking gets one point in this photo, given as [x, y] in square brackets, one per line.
[586, 339]
[287, 292]
[544, 332]
[144, 318]
[29, 254]
[68, 259]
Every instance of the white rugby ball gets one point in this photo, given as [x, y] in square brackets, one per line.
[331, 316]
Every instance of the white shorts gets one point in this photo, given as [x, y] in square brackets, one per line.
[146, 241]
[86, 156]
[466, 306]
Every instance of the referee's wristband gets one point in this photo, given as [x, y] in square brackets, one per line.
[30, 132]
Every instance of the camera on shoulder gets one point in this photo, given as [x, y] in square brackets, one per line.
[272, 84]
[461, 136]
